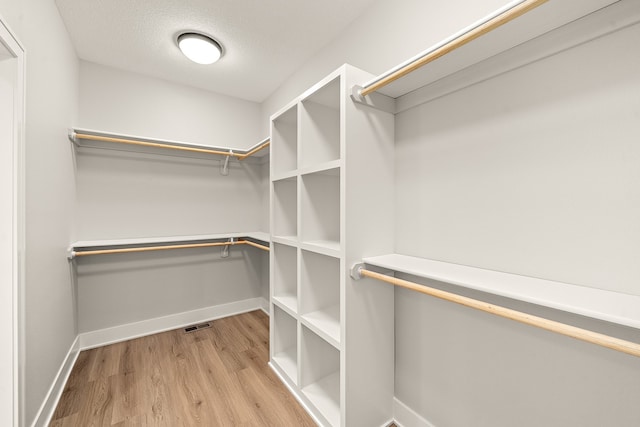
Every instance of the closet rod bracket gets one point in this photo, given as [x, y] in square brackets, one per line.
[356, 271]
[71, 254]
[375, 100]
[73, 136]
[224, 252]
[224, 170]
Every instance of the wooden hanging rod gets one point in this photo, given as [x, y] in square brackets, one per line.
[167, 247]
[490, 24]
[255, 150]
[238, 155]
[607, 341]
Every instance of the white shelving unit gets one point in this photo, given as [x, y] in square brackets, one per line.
[315, 164]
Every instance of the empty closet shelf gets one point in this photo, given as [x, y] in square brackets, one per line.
[99, 139]
[615, 307]
[103, 247]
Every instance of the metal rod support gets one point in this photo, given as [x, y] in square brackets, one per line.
[607, 341]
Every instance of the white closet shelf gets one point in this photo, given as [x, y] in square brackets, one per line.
[324, 247]
[287, 361]
[85, 245]
[285, 176]
[287, 302]
[541, 20]
[325, 323]
[615, 307]
[285, 240]
[331, 168]
[158, 146]
[325, 395]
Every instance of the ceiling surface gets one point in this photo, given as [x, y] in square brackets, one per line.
[265, 41]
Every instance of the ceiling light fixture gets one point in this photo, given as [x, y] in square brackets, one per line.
[199, 48]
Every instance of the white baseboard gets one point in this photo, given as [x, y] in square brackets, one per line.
[407, 417]
[129, 331]
[45, 413]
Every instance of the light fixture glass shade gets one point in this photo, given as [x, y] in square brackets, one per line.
[199, 48]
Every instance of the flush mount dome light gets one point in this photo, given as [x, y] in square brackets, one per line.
[199, 48]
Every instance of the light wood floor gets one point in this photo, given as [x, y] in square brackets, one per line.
[211, 377]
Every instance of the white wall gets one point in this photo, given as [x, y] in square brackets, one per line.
[542, 184]
[534, 172]
[124, 102]
[124, 195]
[51, 106]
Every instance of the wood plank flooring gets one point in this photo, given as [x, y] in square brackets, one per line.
[210, 377]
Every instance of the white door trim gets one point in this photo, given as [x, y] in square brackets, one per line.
[15, 328]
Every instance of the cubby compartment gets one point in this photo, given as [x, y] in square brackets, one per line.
[320, 375]
[319, 302]
[285, 343]
[285, 277]
[284, 142]
[320, 205]
[285, 211]
[320, 126]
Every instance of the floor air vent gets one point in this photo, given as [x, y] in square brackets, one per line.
[197, 327]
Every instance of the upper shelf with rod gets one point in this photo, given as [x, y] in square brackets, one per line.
[516, 23]
[258, 240]
[610, 306]
[105, 140]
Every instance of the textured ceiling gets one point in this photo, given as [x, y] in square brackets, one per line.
[265, 41]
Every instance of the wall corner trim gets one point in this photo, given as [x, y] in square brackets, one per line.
[48, 407]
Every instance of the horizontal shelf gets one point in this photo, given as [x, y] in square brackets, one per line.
[284, 176]
[328, 168]
[324, 247]
[325, 396]
[287, 362]
[325, 323]
[285, 240]
[541, 20]
[287, 302]
[623, 309]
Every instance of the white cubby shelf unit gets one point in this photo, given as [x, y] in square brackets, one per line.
[332, 338]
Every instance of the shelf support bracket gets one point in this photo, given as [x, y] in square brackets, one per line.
[225, 249]
[224, 170]
[375, 100]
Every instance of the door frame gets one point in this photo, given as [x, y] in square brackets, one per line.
[16, 49]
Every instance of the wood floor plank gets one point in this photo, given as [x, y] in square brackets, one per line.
[217, 376]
